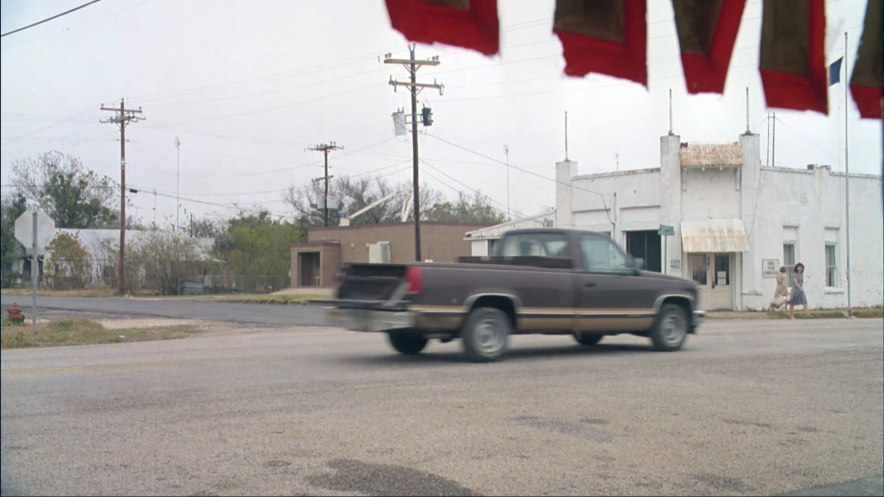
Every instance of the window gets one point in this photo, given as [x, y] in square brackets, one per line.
[602, 255]
[789, 261]
[646, 246]
[830, 265]
[527, 244]
[831, 239]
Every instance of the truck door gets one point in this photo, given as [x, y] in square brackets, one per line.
[611, 297]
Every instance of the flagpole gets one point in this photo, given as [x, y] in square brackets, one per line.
[846, 176]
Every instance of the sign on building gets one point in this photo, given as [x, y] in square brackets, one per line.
[770, 268]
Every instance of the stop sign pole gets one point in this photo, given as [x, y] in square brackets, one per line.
[36, 229]
[35, 268]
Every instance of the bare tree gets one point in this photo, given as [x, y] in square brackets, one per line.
[353, 194]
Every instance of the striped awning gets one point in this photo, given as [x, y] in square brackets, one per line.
[714, 235]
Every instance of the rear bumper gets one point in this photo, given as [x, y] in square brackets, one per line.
[368, 319]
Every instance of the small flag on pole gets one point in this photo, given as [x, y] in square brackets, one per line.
[835, 71]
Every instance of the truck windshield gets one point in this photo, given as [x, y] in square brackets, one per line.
[537, 244]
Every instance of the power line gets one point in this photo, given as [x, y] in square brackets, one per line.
[528, 171]
[49, 18]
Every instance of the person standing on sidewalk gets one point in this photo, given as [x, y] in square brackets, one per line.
[798, 296]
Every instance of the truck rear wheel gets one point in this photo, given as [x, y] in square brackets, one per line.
[485, 334]
[407, 343]
[670, 329]
[587, 339]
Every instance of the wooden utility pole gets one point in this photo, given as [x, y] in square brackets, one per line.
[325, 148]
[411, 65]
[123, 117]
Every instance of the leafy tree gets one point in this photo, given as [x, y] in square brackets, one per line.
[466, 210]
[258, 245]
[68, 265]
[13, 206]
[159, 260]
[63, 188]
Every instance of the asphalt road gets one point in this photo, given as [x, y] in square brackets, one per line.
[260, 314]
[749, 407]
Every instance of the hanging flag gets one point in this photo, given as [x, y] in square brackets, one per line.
[793, 65]
[866, 81]
[603, 36]
[835, 71]
[706, 31]
[464, 23]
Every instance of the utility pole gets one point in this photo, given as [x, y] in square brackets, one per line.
[325, 148]
[411, 65]
[177, 182]
[123, 117]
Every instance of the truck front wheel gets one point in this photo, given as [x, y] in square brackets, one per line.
[670, 329]
[407, 343]
[485, 334]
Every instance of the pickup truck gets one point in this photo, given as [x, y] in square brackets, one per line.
[550, 281]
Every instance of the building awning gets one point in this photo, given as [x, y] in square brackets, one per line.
[714, 235]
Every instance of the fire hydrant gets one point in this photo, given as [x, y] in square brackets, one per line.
[15, 314]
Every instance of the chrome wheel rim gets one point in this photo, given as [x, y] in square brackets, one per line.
[673, 328]
[490, 336]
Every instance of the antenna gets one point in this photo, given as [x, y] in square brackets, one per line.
[747, 111]
[670, 112]
[566, 135]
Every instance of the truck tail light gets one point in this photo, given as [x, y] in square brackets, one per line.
[415, 279]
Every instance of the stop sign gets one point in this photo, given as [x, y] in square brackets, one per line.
[24, 230]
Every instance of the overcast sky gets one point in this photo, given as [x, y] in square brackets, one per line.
[248, 86]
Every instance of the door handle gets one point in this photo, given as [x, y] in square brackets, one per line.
[590, 284]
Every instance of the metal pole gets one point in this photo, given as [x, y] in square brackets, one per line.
[35, 268]
[415, 174]
[665, 253]
[122, 194]
[846, 176]
[178, 183]
[506, 151]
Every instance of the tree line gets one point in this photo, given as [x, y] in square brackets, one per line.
[252, 244]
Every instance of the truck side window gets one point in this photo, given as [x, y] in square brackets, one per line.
[602, 255]
[536, 244]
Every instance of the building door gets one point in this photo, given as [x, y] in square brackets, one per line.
[646, 246]
[713, 273]
[308, 263]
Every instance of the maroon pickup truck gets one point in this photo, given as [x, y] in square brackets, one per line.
[551, 281]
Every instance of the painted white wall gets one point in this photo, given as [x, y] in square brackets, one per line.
[766, 199]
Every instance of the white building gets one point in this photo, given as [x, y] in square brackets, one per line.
[482, 240]
[736, 222]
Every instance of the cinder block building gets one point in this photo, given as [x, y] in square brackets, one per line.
[315, 262]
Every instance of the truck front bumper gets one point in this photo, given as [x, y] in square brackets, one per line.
[699, 317]
[368, 319]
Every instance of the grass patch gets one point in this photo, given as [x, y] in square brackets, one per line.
[872, 312]
[868, 313]
[80, 331]
[86, 292]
